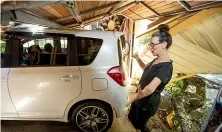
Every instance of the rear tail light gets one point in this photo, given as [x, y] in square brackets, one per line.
[117, 74]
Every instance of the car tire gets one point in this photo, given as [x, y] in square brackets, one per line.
[92, 116]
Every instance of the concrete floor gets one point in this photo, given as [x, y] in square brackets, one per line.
[119, 125]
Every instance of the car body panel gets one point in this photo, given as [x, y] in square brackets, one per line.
[41, 92]
[7, 107]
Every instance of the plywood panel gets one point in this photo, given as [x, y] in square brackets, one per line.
[218, 18]
[79, 4]
[175, 8]
[198, 38]
[51, 10]
[181, 68]
[42, 13]
[209, 40]
[214, 32]
[86, 6]
[197, 54]
[153, 3]
[186, 37]
[127, 16]
[168, 6]
[139, 8]
[134, 15]
[61, 9]
[101, 3]
[147, 14]
[194, 67]
[103, 10]
[161, 4]
[206, 67]
[93, 4]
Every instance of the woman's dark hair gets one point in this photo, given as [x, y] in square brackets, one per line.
[163, 34]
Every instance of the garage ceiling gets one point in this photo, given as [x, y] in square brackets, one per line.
[78, 13]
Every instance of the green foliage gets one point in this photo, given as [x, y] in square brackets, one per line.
[145, 41]
[3, 44]
[175, 88]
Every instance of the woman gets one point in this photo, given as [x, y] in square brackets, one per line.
[156, 75]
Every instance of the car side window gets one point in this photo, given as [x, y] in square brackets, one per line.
[39, 49]
[44, 51]
[87, 49]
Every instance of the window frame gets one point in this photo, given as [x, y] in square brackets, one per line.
[90, 38]
[13, 50]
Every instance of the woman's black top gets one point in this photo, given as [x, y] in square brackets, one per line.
[163, 71]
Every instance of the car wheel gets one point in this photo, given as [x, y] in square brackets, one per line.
[92, 117]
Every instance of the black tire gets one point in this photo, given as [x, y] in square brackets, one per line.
[103, 108]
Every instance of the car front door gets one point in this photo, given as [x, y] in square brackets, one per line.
[7, 107]
[45, 91]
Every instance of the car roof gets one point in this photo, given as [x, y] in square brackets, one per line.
[67, 31]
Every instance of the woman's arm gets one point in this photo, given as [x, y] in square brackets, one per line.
[149, 89]
[139, 61]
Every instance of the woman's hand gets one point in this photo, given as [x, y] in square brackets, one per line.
[135, 56]
[136, 96]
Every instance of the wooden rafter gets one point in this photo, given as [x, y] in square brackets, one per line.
[184, 4]
[135, 13]
[100, 8]
[89, 11]
[155, 12]
[88, 20]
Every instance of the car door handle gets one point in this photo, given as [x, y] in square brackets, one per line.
[68, 78]
[3, 79]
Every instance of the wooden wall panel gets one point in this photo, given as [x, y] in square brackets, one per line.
[79, 4]
[61, 9]
[51, 10]
[86, 6]
[103, 10]
[93, 4]
[101, 3]
[41, 13]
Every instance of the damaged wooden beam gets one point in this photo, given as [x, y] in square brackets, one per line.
[184, 4]
[88, 20]
[72, 7]
[102, 16]
[89, 11]
[27, 5]
[100, 8]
